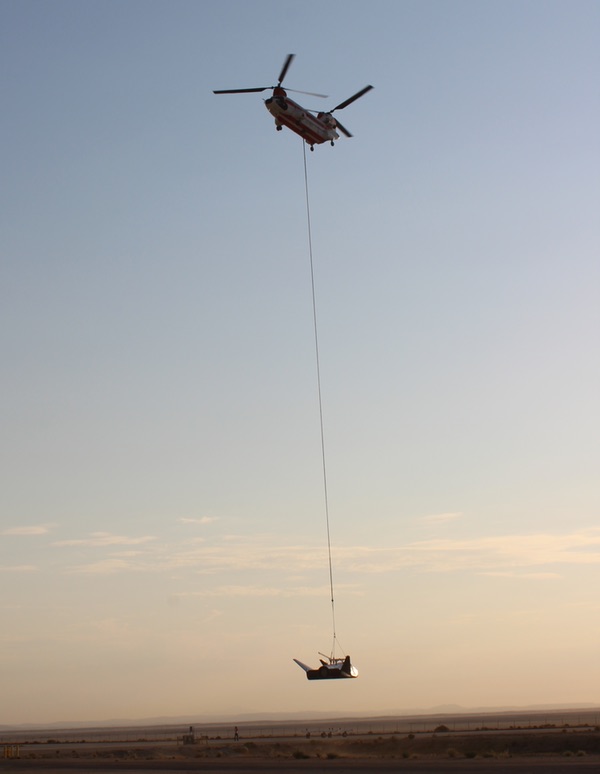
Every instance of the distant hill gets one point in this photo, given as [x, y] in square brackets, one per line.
[287, 717]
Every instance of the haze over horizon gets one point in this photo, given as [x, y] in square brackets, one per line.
[550, 711]
[162, 530]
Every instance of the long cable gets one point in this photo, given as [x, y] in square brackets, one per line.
[314, 305]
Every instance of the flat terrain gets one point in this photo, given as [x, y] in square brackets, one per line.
[459, 744]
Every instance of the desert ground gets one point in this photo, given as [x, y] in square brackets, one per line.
[505, 742]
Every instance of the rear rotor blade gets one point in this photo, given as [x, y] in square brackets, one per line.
[342, 128]
[285, 67]
[347, 102]
[240, 91]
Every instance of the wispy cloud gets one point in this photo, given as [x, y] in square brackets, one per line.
[109, 566]
[510, 551]
[239, 590]
[524, 575]
[201, 520]
[525, 556]
[18, 568]
[105, 539]
[441, 518]
[37, 529]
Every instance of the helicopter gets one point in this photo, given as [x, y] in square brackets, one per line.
[314, 129]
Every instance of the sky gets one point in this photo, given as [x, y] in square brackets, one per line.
[163, 546]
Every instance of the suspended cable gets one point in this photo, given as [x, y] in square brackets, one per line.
[324, 466]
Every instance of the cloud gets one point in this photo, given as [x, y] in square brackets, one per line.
[19, 568]
[510, 551]
[244, 590]
[201, 520]
[108, 566]
[524, 575]
[533, 556]
[441, 518]
[39, 529]
[105, 539]
[212, 616]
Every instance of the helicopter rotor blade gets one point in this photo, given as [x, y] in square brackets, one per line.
[351, 99]
[264, 88]
[241, 91]
[285, 67]
[342, 128]
[310, 93]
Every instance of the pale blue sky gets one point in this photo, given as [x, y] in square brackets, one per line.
[161, 509]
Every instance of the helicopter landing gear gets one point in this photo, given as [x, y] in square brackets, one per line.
[279, 127]
[312, 147]
[332, 143]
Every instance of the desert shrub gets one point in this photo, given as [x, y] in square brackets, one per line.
[299, 754]
[441, 729]
[453, 752]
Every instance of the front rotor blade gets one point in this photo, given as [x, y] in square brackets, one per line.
[240, 91]
[285, 67]
[310, 93]
[347, 102]
[342, 128]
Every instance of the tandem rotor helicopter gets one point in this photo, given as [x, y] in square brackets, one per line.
[314, 129]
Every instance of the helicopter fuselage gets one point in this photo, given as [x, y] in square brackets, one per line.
[313, 129]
